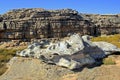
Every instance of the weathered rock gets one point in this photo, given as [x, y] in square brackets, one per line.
[38, 23]
[72, 62]
[105, 24]
[108, 48]
[31, 51]
[92, 49]
[72, 53]
[34, 69]
[69, 64]
[68, 47]
[27, 24]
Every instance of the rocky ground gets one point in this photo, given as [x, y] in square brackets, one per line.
[13, 44]
[58, 66]
[75, 52]
[34, 69]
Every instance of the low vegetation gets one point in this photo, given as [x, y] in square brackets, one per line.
[5, 56]
[109, 61]
[114, 39]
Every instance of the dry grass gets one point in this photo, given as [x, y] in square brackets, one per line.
[114, 39]
[109, 61]
[3, 68]
[5, 56]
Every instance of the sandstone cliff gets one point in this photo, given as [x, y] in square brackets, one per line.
[40, 23]
[105, 24]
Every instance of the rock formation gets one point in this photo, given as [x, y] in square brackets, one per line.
[39, 23]
[105, 24]
[34, 69]
[72, 53]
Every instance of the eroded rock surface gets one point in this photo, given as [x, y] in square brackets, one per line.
[39, 23]
[72, 53]
[34, 69]
[27, 24]
[106, 24]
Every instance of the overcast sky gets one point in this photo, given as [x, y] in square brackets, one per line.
[83, 6]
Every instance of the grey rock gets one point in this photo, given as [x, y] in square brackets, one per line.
[72, 53]
[26, 53]
[69, 64]
[108, 48]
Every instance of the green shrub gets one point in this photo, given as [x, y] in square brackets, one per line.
[109, 61]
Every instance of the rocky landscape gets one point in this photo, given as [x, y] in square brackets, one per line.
[37, 23]
[72, 58]
[40, 23]
[72, 53]
[56, 45]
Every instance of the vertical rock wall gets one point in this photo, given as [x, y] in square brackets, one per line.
[40, 23]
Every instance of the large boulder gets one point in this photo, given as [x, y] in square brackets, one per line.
[72, 53]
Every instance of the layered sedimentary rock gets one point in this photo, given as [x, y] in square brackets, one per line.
[40, 23]
[105, 24]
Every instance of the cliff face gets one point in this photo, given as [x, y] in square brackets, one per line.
[105, 24]
[41, 23]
